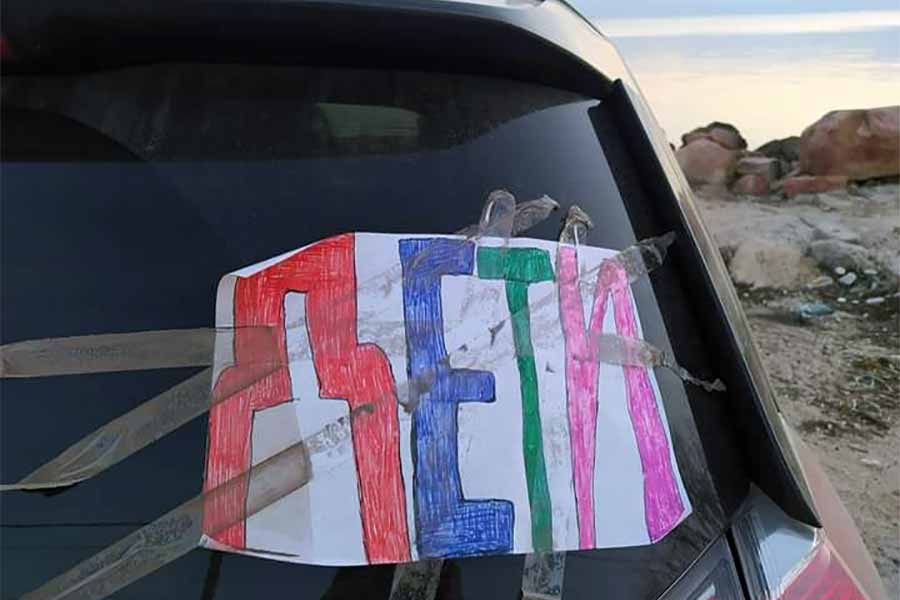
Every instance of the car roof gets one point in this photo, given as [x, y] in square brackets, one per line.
[545, 42]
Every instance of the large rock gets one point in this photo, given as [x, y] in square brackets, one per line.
[724, 134]
[829, 227]
[882, 194]
[832, 254]
[706, 162]
[861, 144]
[733, 223]
[751, 185]
[769, 168]
[813, 184]
[787, 149]
[883, 244]
[771, 264]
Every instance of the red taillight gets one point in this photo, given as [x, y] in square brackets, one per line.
[784, 559]
[824, 577]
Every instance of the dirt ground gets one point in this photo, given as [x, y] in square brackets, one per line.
[831, 344]
[838, 382]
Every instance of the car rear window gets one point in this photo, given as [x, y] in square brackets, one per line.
[127, 194]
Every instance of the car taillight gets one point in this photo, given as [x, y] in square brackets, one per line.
[712, 577]
[784, 559]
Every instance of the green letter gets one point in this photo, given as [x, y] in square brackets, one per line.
[520, 267]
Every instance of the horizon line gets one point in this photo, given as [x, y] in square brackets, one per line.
[748, 24]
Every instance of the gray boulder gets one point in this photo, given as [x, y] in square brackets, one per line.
[786, 149]
[724, 134]
[833, 254]
[883, 243]
[733, 223]
[771, 264]
[769, 168]
[828, 227]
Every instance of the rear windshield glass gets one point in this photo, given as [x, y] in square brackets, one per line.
[127, 194]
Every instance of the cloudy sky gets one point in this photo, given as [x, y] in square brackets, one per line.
[669, 8]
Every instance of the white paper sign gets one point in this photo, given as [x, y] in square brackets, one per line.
[490, 425]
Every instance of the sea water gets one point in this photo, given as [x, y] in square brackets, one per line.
[769, 75]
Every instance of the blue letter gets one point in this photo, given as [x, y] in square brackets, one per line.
[446, 523]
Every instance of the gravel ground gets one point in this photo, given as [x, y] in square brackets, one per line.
[838, 383]
[837, 376]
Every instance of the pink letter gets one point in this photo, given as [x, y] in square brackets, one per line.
[662, 502]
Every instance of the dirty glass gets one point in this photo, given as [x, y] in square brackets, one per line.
[126, 194]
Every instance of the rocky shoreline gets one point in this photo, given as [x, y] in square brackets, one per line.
[841, 148]
[809, 227]
[825, 200]
[846, 240]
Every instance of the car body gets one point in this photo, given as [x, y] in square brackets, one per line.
[148, 149]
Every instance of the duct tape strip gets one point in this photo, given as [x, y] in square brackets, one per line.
[503, 217]
[633, 263]
[133, 431]
[542, 576]
[417, 580]
[123, 436]
[636, 261]
[181, 530]
[103, 353]
[155, 349]
[500, 217]
[631, 352]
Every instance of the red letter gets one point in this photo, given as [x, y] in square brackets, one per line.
[346, 370]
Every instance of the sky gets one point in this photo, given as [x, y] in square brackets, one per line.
[671, 8]
[769, 67]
